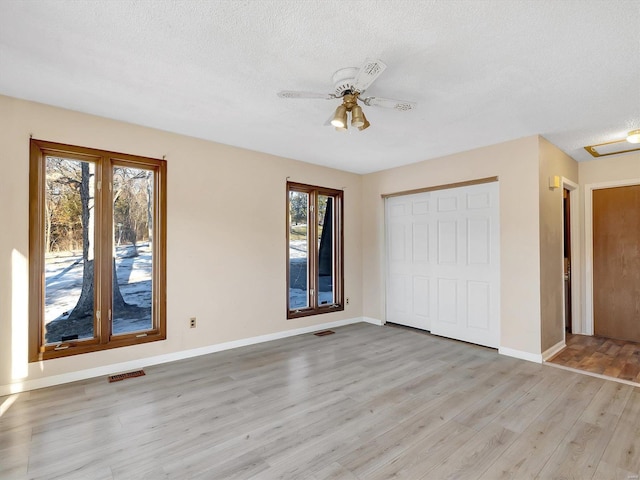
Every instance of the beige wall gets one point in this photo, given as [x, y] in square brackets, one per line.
[226, 236]
[553, 162]
[226, 248]
[610, 169]
[516, 165]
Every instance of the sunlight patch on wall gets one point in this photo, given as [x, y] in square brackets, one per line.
[19, 316]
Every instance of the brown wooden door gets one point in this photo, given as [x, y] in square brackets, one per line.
[616, 262]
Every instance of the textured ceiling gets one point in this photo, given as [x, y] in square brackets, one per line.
[481, 71]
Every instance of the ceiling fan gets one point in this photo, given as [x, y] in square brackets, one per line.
[349, 84]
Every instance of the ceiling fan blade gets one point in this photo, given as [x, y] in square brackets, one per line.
[371, 70]
[295, 94]
[402, 105]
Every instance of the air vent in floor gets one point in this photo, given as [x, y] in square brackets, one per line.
[123, 376]
[323, 333]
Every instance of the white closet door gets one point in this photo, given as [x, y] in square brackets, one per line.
[408, 260]
[443, 271]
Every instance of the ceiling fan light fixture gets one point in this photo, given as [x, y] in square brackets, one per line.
[357, 117]
[340, 117]
[366, 123]
[634, 136]
[349, 84]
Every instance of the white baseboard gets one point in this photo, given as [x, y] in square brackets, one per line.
[373, 321]
[550, 352]
[530, 357]
[26, 385]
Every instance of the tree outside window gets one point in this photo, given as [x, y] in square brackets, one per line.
[315, 250]
[97, 258]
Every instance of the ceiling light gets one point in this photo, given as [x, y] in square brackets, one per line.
[357, 118]
[612, 148]
[340, 117]
[634, 136]
[366, 123]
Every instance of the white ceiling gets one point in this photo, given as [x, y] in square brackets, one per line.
[482, 71]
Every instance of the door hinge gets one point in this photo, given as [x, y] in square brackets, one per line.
[98, 314]
[99, 184]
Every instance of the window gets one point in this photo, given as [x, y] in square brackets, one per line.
[315, 278]
[97, 250]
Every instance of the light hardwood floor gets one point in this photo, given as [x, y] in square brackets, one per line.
[366, 403]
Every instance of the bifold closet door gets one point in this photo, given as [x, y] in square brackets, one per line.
[409, 268]
[443, 270]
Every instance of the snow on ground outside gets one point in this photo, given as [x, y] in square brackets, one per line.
[63, 284]
[63, 280]
[297, 291]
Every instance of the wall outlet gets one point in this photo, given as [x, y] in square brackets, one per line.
[347, 300]
[192, 322]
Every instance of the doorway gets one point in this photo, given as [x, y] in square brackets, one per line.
[603, 355]
[566, 215]
[571, 320]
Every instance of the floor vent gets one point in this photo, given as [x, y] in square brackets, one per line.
[123, 376]
[323, 333]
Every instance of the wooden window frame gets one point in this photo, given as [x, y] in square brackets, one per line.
[312, 250]
[103, 266]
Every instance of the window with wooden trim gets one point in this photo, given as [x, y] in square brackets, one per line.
[315, 271]
[97, 250]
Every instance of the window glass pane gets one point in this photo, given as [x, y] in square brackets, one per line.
[133, 213]
[325, 250]
[298, 250]
[69, 249]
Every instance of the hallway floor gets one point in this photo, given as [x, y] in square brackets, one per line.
[604, 356]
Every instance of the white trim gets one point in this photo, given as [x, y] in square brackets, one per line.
[373, 321]
[530, 357]
[577, 324]
[588, 243]
[550, 352]
[169, 357]
[592, 374]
